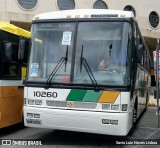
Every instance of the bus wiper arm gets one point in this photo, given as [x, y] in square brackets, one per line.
[84, 62]
[60, 63]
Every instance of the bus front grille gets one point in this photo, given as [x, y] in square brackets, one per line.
[82, 105]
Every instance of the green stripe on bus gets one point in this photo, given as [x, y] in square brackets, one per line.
[76, 95]
[92, 96]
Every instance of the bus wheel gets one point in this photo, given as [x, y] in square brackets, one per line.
[134, 115]
[134, 119]
[135, 112]
[22, 123]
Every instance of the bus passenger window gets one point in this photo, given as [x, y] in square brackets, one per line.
[10, 61]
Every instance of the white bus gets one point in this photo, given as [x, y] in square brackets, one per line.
[89, 71]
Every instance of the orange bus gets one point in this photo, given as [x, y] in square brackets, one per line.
[13, 62]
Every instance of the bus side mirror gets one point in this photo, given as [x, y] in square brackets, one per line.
[8, 51]
[139, 54]
[21, 49]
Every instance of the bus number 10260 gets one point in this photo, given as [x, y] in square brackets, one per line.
[45, 94]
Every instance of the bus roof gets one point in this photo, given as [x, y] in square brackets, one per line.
[14, 29]
[85, 13]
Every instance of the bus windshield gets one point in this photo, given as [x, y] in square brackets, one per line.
[104, 46]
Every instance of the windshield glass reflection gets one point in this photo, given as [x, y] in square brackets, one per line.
[106, 50]
[49, 45]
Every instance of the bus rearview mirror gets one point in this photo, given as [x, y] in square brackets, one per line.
[21, 49]
[139, 54]
[8, 52]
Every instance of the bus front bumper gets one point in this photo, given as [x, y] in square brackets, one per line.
[76, 120]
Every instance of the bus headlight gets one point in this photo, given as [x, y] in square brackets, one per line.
[38, 102]
[30, 102]
[115, 107]
[124, 107]
[106, 106]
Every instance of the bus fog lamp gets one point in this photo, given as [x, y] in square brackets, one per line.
[108, 121]
[105, 106]
[115, 122]
[30, 115]
[36, 115]
[115, 107]
[30, 102]
[105, 121]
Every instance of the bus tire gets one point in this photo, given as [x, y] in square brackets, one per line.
[135, 112]
[22, 123]
[134, 118]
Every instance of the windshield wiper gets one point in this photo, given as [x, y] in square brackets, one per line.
[84, 62]
[60, 63]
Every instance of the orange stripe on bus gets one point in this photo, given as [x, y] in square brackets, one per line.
[108, 97]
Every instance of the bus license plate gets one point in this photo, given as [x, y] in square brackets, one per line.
[33, 121]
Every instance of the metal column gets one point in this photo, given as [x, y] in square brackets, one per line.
[157, 80]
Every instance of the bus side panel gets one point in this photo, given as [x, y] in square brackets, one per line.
[0, 104]
[142, 89]
[11, 105]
